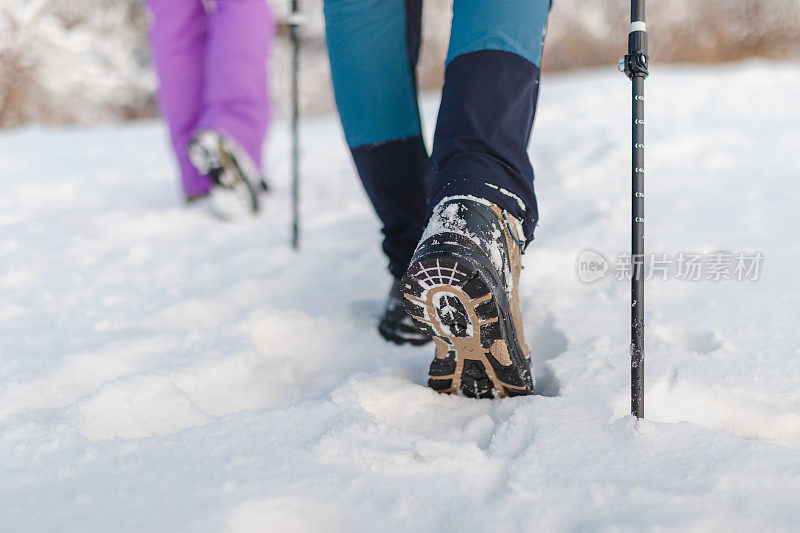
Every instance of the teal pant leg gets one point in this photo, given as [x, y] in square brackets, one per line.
[516, 26]
[373, 47]
[368, 45]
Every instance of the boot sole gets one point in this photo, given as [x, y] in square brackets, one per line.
[455, 296]
[243, 187]
[216, 160]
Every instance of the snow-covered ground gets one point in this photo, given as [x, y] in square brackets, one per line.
[163, 371]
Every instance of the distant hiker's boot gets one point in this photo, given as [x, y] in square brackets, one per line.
[237, 181]
[461, 287]
[396, 326]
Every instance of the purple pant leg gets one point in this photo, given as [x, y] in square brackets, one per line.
[178, 40]
[236, 100]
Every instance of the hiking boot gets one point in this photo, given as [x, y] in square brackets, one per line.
[233, 172]
[461, 288]
[396, 326]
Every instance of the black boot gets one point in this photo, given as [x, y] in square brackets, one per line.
[461, 287]
[396, 326]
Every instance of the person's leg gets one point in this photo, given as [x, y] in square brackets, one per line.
[462, 283]
[488, 105]
[178, 41]
[236, 99]
[373, 47]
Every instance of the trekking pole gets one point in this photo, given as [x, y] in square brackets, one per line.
[635, 66]
[295, 20]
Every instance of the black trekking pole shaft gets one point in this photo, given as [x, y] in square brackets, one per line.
[635, 64]
[294, 24]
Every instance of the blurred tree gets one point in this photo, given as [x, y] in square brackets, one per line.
[73, 61]
[81, 61]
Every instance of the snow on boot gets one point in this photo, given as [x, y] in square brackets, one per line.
[237, 180]
[461, 287]
[396, 325]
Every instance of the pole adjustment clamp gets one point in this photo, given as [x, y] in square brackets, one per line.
[635, 65]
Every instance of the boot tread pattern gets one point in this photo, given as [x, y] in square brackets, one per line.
[448, 298]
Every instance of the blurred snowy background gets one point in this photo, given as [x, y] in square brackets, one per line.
[87, 61]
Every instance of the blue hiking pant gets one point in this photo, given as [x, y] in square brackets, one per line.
[485, 118]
